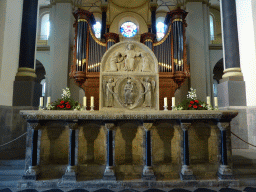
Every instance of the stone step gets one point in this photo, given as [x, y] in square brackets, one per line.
[12, 163]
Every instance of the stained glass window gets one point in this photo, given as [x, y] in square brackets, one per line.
[211, 28]
[160, 30]
[45, 27]
[128, 29]
[97, 29]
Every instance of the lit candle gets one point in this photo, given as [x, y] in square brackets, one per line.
[173, 101]
[84, 101]
[208, 99]
[48, 100]
[41, 101]
[216, 102]
[165, 101]
[92, 101]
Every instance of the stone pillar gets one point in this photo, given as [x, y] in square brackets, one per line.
[109, 173]
[148, 173]
[153, 18]
[10, 22]
[103, 20]
[198, 47]
[232, 79]
[60, 39]
[72, 157]
[32, 171]
[26, 92]
[224, 171]
[186, 172]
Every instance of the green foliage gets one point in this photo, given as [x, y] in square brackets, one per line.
[192, 104]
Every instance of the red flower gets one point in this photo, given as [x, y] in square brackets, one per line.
[192, 102]
[67, 103]
[58, 105]
[62, 102]
[189, 105]
[68, 106]
[200, 105]
[196, 101]
[195, 106]
[61, 106]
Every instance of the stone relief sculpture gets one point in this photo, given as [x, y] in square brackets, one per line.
[129, 78]
[149, 87]
[130, 56]
[115, 62]
[109, 91]
[145, 63]
[128, 93]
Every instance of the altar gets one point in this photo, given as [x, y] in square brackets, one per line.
[93, 148]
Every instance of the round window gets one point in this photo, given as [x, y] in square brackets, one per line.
[128, 29]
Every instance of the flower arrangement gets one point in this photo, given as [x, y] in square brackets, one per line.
[65, 102]
[192, 103]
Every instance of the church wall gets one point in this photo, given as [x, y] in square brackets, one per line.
[9, 48]
[217, 25]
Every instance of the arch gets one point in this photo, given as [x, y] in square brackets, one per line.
[217, 75]
[212, 27]
[44, 25]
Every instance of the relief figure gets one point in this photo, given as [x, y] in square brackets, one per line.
[130, 56]
[128, 92]
[110, 93]
[114, 64]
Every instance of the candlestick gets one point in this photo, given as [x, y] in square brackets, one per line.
[165, 108]
[48, 100]
[208, 99]
[216, 102]
[84, 101]
[173, 102]
[41, 102]
[165, 101]
[92, 101]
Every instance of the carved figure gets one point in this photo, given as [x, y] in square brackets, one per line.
[128, 92]
[145, 63]
[149, 87]
[110, 93]
[130, 55]
[114, 62]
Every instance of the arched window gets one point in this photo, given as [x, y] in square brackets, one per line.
[97, 29]
[128, 29]
[45, 27]
[212, 34]
[160, 28]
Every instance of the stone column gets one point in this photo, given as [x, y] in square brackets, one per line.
[32, 141]
[103, 20]
[198, 47]
[224, 171]
[148, 173]
[10, 22]
[111, 39]
[60, 39]
[186, 172]
[232, 79]
[26, 91]
[153, 7]
[109, 173]
[71, 173]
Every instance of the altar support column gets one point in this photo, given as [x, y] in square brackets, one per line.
[232, 79]
[32, 170]
[109, 173]
[148, 173]
[224, 171]
[186, 172]
[26, 91]
[71, 172]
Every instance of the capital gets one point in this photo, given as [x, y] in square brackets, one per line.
[147, 126]
[223, 125]
[110, 126]
[72, 125]
[185, 126]
[34, 125]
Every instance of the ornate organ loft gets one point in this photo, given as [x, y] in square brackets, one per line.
[170, 53]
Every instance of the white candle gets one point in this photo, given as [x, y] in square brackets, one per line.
[92, 101]
[216, 102]
[41, 102]
[173, 101]
[165, 101]
[48, 100]
[84, 101]
[208, 99]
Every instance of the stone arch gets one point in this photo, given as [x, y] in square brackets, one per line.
[218, 70]
[40, 71]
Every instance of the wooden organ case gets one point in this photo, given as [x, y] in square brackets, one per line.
[170, 53]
